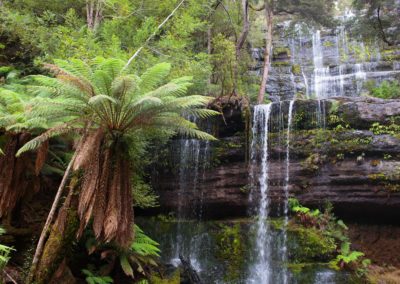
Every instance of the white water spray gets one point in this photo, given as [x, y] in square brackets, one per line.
[261, 270]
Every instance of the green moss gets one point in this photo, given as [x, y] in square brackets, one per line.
[296, 69]
[328, 43]
[174, 279]
[281, 50]
[390, 55]
[312, 244]
[312, 163]
[388, 181]
[277, 223]
[280, 64]
[231, 250]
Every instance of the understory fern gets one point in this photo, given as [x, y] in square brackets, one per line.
[5, 252]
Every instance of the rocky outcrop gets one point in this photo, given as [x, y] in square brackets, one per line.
[363, 111]
[355, 170]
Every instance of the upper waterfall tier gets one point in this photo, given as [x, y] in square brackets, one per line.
[323, 64]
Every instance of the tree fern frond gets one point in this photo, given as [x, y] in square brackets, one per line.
[154, 76]
[124, 84]
[202, 113]
[75, 67]
[37, 141]
[112, 67]
[102, 81]
[99, 99]
[170, 89]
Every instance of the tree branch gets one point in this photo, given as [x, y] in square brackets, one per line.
[152, 35]
[381, 30]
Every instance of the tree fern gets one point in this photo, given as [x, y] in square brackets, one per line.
[115, 103]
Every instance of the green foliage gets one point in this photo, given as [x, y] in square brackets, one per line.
[379, 129]
[231, 249]
[138, 259]
[386, 90]
[312, 243]
[94, 279]
[351, 259]
[5, 252]
[388, 180]
[224, 59]
[110, 96]
[320, 234]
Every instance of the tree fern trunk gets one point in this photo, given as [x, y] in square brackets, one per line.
[62, 235]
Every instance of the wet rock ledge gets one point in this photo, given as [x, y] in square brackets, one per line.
[353, 163]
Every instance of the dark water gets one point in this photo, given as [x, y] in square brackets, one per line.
[221, 252]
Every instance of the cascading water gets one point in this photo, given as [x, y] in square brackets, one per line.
[193, 158]
[261, 271]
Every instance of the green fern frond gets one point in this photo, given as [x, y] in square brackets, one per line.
[202, 113]
[154, 76]
[144, 245]
[99, 99]
[37, 141]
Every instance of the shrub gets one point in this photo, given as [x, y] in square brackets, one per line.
[386, 90]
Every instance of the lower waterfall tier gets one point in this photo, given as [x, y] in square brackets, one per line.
[354, 163]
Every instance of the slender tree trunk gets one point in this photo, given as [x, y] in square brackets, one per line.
[246, 26]
[380, 28]
[240, 42]
[209, 51]
[49, 221]
[94, 13]
[153, 34]
[50, 218]
[268, 47]
[62, 235]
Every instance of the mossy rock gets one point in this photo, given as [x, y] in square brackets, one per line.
[296, 69]
[281, 51]
[175, 278]
[310, 244]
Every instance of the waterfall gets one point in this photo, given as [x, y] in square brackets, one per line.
[286, 191]
[306, 84]
[261, 270]
[193, 158]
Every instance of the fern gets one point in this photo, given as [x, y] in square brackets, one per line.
[5, 252]
[103, 93]
[144, 245]
[91, 278]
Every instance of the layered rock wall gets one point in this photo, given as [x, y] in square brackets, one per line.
[346, 164]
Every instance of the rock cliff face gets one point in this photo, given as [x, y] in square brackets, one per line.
[310, 63]
[345, 163]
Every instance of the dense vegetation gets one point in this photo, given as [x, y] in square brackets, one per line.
[90, 90]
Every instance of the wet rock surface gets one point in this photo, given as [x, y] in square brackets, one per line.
[354, 170]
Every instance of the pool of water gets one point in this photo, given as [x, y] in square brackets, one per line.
[223, 252]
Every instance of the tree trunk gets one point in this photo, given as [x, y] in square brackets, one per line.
[49, 221]
[62, 235]
[94, 13]
[240, 42]
[269, 14]
[246, 27]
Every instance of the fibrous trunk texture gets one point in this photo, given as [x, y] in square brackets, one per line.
[16, 174]
[106, 196]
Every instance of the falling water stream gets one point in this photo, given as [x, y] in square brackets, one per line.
[261, 269]
[335, 71]
[286, 190]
